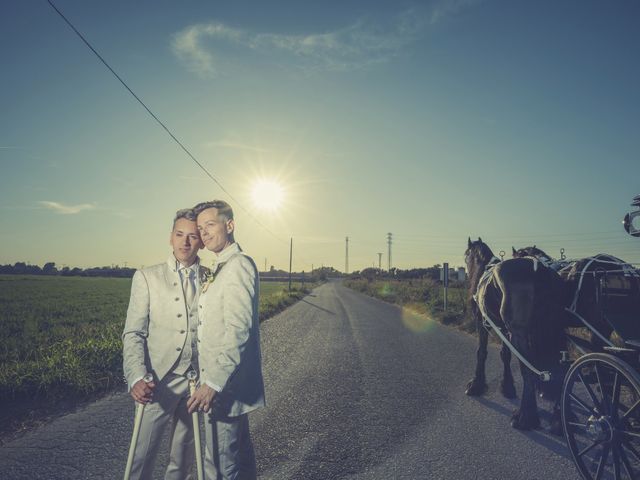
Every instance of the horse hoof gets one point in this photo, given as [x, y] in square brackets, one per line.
[522, 421]
[508, 391]
[476, 388]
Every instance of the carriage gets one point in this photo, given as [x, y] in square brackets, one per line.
[599, 403]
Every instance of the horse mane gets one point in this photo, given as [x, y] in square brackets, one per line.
[483, 255]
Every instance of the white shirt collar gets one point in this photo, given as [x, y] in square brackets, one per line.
[225, 254]
[175, 265]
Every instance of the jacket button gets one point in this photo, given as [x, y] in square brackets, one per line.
[178, 349]
[175, 284]
[179, 315]
[177, 299]
[200, 306]
[199, 322]
[193, 330]
[202, 370]
[181, 331]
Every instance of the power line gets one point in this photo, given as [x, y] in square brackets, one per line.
[166, 129]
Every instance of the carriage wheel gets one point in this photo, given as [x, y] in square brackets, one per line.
[601, 417]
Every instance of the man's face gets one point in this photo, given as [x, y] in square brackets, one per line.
[185, 241]
[214, 230]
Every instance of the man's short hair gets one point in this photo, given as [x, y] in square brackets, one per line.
[224, 209]
[187, 213]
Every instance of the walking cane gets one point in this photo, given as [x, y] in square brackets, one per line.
[191, 375]
[148, 378]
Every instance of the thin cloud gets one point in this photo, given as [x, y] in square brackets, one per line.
[188, 178]
[63, 209]
[237, 146]
[9, 151]
[354, 46]
[446, 8]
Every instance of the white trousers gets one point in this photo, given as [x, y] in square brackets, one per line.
[168, 410]
[229, 452]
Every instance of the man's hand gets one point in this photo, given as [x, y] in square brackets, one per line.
[142, 392]
[201, 399]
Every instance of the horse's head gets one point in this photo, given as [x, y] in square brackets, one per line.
[530, 252]
[477, 255]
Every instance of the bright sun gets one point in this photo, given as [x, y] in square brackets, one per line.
[267, 194]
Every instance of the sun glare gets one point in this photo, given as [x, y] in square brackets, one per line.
[267, 195]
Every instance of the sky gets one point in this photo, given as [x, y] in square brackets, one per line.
[514, 121]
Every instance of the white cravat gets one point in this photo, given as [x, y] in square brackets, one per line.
[187, 285]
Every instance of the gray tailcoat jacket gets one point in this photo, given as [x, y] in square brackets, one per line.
[229, 334]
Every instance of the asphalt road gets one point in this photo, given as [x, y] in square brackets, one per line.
[356, 389]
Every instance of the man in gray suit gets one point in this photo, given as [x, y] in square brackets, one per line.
[159, 337]
[231, 383]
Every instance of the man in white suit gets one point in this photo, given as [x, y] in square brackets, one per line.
[159, 337]
[231, 383]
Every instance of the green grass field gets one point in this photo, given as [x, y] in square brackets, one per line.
[424, 296]
[61, 335]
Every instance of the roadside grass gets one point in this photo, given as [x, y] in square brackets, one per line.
[62, 338]
[425, 296]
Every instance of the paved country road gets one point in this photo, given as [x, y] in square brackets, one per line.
[356, 389]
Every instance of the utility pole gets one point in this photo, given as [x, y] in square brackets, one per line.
[265, 264]
[346, 256]
[379, 260]
[290, 262]
[445, 282]
[389, 235]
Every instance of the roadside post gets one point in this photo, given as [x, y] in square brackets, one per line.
[445, 282]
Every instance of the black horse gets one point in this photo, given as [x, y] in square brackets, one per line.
[520, 297]
[581, 290]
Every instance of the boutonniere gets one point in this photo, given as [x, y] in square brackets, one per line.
[209, 276]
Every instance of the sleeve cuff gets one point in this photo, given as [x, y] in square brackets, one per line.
[217, 388]
[134, 381]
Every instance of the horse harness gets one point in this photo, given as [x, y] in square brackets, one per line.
[490, 324]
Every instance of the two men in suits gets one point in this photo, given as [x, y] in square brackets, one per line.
[160, 337]
[182, 316]
[231, 383]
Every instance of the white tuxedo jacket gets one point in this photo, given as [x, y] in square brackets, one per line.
[229, 334]
[155, 331]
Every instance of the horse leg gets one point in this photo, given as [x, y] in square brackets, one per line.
[507, 387]
[555, 427]
[526, 417]
[478, 385]
[552, 391]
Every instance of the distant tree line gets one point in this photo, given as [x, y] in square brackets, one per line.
[49, 268]
[432, 273]
[317, 274]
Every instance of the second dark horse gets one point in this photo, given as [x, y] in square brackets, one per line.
[520, 297]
